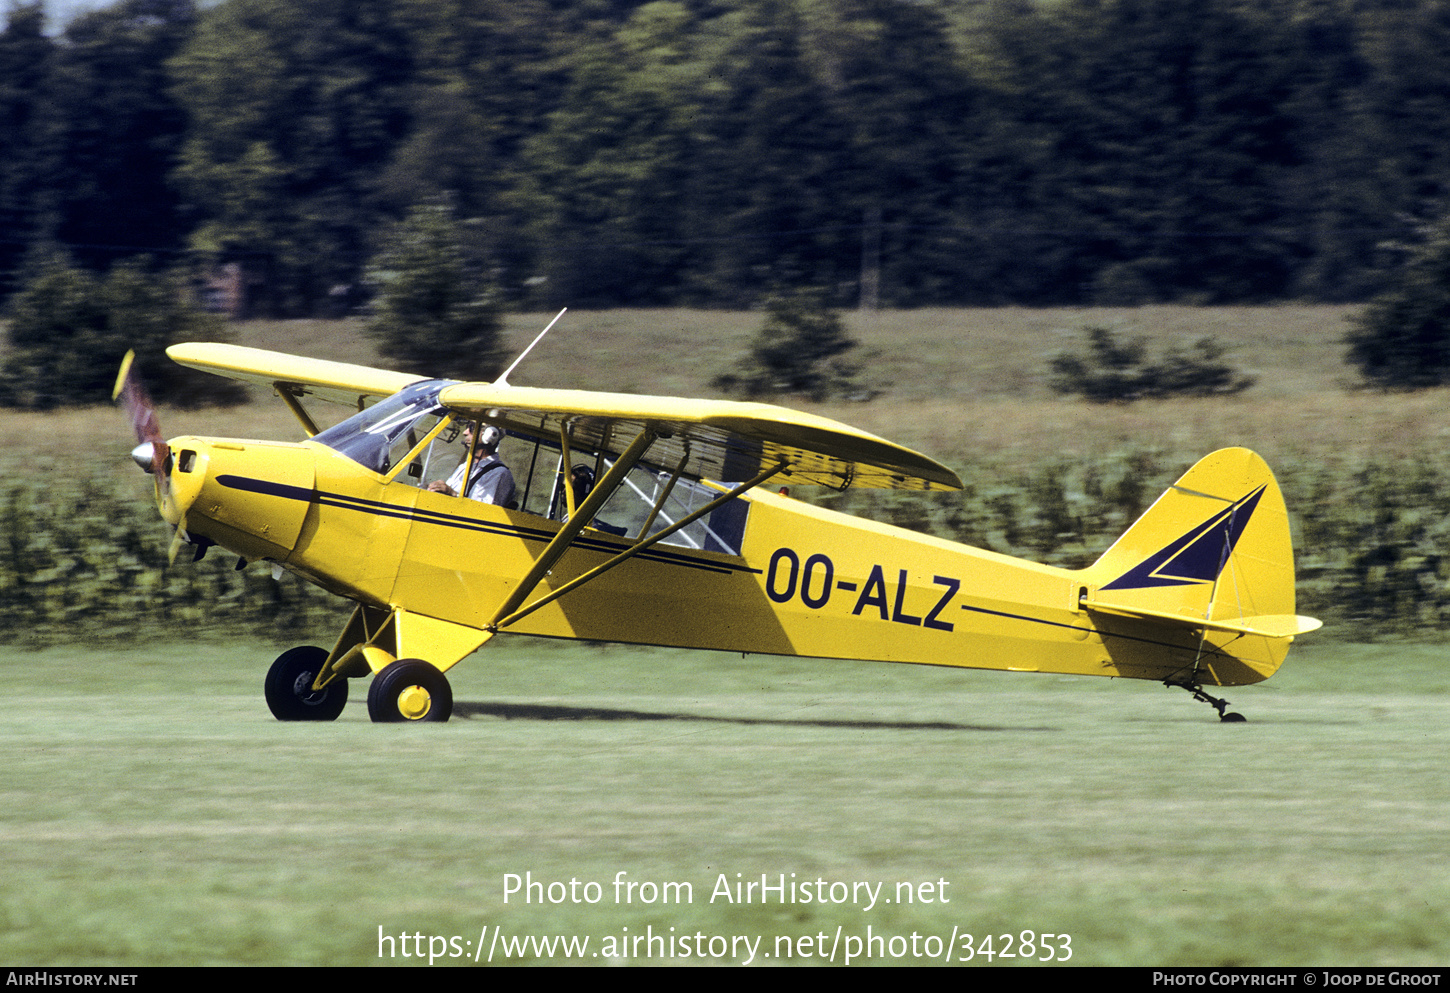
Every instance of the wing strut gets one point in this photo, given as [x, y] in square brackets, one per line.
[584, 514]
[290, 399]
[636, 548]
[565, 457]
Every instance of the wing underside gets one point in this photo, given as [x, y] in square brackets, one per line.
[713, 439]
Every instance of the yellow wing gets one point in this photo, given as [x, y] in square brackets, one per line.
[292, 375]
[718, 439]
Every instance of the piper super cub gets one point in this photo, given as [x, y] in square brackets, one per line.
[647, 520]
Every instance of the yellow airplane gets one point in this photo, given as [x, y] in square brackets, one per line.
[648, 520]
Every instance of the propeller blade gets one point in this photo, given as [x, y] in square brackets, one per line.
[142, 412]
[152, 453]
[134, 398]
[177, 540]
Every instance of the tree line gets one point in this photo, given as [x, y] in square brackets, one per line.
[707, 152]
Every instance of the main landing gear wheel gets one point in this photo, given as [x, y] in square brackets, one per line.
[289, 687]
[410, 690]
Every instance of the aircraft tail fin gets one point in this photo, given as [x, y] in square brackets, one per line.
[1212, 553]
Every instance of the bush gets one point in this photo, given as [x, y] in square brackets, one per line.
[1119, 372]
[435, 315]
[1369, 534]
[69, 331]
[1402, 340]
[798, 350]
[88, 562]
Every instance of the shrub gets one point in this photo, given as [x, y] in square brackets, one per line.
[88, 562]
[435, 315]
[1369, 534]
[69, 331]
[798, 350]
[1402, 340]
[1114, 371]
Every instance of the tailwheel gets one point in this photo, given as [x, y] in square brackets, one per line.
[1224, 714]
[289, 687]
[409, 690]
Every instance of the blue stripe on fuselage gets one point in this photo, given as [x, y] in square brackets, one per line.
[381, 509]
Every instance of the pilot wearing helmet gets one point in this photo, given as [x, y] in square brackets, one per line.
[490, 481]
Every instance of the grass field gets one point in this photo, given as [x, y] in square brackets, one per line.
[155, 813]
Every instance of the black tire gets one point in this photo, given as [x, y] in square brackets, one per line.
[289, 687]
[410, 690]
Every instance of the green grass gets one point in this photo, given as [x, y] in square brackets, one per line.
[155, 813]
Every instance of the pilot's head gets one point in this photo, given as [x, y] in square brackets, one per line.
[485, 441]
[581, 478]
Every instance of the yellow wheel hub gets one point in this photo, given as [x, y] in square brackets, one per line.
[414, 703]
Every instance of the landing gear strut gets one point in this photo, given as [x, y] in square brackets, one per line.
[1224, 715]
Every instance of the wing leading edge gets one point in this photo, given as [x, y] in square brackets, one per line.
[293, 375]
[724, 440]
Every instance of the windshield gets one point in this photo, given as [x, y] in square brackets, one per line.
[373, 437]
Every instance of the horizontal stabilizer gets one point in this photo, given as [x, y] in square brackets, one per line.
[1264, 625]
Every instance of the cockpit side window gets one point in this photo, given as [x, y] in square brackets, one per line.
[630, 511]
[412, 439]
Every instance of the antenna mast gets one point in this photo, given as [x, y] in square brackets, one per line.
[503, 380]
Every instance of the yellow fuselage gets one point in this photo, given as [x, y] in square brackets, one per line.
[808, 581]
